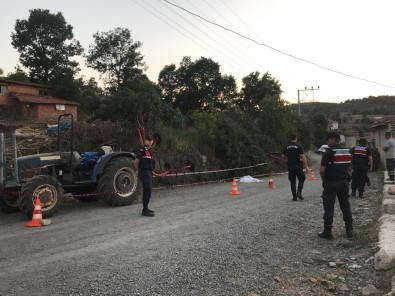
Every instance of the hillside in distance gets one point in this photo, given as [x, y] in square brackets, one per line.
[381, 105]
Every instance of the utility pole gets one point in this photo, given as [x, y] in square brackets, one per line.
[307, 92]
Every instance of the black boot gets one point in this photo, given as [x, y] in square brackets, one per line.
[299, 195]
[327, 233]
[147, 212]
[349, 229]
[294, 198]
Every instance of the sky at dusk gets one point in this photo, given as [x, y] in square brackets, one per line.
[345, 48]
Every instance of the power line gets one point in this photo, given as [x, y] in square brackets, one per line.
[224, 48]
[277, 50]
[238, 17]
[230, 48]
[243, 57]
[232, 64]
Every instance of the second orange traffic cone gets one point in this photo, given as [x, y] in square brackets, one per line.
[312, 177]
[234, 188]
[271, 182]
[37, 215]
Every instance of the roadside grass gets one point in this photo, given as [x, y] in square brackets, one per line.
[366, 236]
[366, 233]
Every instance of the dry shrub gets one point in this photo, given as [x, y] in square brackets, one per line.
[91, 136]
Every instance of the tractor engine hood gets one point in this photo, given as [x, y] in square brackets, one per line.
[32, 162]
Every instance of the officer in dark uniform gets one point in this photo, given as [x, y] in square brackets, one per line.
[145, 165]
[335, 174]
[296, 161]
[361, 161]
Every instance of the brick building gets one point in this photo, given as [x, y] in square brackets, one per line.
[32, 102]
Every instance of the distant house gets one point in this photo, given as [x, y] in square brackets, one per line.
[333, 124]
[350, 138]
[381, 125]
[32, 102]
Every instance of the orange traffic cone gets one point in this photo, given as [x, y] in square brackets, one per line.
[312, 177]
[234, 188]
[271, 182]
[37, 215]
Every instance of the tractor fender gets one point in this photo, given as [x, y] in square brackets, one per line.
[103, 160]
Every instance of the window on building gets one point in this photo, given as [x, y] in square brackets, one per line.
[42, 92]
[60, 107]
[3, 89]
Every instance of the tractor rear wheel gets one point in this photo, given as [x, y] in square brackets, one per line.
[48, 189]
[118, 183]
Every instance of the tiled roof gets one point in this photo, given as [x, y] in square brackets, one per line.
[388, 120]
[25, 98]
[10, 82]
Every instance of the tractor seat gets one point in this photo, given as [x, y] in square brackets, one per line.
[77, 159]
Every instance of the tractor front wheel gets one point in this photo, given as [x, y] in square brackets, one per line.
[48, 189]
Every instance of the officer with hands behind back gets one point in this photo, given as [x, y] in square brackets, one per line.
[335, 174]
[145, 164]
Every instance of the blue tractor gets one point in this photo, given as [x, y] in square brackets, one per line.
[106, 174]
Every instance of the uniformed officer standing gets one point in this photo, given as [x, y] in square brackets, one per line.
[335, 174]
[361, 161]
[145, 164]
[296, 161]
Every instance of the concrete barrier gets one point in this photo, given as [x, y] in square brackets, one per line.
[384, 259]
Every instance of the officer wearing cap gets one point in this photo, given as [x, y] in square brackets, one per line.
[296, 160]
[335, 174]
[361, 162]
[145, 164]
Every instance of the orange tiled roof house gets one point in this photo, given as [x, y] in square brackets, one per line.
[32, 102]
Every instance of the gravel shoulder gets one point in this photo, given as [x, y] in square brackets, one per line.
[202, 241]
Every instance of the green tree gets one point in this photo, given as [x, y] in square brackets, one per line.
[227, 135]
[18, 75]
[320, 124]
[115, 55]
[90, 96]
[45, 43]
[127, 104]
[228, 93]
[304, 131]
[275, 121]
[197, 85]
[168, 83]
[64, 84]
[255, 89]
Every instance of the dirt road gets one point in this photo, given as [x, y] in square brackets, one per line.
[202, 241]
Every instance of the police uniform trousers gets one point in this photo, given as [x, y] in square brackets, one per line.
[146, 181]
[332, 189]
[358, 178]
[296, 171]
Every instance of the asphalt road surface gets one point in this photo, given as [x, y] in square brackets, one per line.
[202, 241]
